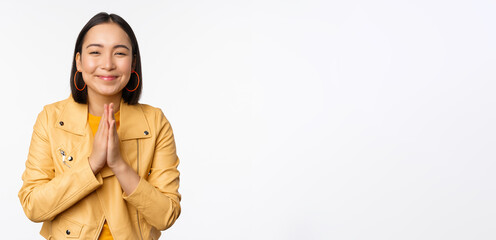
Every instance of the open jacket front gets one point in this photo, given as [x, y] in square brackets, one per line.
[61, 190]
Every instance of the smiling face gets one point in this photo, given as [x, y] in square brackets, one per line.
[105, 60]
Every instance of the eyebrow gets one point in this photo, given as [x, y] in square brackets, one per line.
[100, 45]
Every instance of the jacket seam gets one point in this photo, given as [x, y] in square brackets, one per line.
[63, 202]
[100, 227]
[137, 170]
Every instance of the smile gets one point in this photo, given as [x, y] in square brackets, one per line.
[107, 78]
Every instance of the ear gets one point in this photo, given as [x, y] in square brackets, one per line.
[78, 61]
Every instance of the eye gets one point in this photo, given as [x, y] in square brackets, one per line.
[120, 53]
[94, 52]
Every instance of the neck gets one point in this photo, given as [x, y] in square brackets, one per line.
[95, 103]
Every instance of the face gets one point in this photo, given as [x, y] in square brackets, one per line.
[105, 60]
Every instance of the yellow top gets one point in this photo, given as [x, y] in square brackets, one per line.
[94, 121]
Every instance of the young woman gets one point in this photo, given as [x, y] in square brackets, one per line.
[101, 165]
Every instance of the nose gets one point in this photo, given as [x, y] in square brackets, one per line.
[108, 62]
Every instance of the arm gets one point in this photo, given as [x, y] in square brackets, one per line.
[157, 198]
[43, 195]
[127, 177]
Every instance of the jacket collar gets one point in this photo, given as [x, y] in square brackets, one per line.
[133, 123]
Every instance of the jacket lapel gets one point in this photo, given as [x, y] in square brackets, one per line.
[133, 123]
[73, 117]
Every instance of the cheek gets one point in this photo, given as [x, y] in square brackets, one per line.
[125, 65]
[89, 65]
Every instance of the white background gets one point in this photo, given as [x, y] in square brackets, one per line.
[293, 119]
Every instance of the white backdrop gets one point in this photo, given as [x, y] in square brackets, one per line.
[293, 119]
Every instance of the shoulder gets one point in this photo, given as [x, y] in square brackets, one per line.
[54, 109]
[47, 117]
[148, 109]
[57, 107]
[151, 111]
[155, 116]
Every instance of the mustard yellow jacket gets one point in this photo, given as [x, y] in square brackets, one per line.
[60, 189]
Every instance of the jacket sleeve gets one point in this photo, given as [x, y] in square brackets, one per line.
[44, 195]
[157, 197]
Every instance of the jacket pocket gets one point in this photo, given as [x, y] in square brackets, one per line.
[69, 228]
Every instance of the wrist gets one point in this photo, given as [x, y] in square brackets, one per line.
[94, 166]
[118, 166]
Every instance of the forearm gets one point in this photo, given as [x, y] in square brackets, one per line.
[44, 199]
[156, 197]
[158, 208]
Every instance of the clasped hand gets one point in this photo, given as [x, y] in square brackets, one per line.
[106, 148]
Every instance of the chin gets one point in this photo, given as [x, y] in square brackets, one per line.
[109, 93]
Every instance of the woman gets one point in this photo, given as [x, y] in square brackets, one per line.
[114, 176]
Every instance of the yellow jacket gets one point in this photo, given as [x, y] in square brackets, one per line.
[61, 190]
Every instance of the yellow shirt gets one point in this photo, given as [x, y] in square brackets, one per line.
[94, 121]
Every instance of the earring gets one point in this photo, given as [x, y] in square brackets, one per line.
[136, 84]
[76, 84]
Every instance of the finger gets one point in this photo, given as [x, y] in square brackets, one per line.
[111, 131]
[107, 113]
[104, 120]
[112, 139]
[111, 113]
[100, 125]
[111, 119]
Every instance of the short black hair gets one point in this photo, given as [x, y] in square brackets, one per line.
[129, 97]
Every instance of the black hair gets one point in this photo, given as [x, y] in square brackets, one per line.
[129, 97]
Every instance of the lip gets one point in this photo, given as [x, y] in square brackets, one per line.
[107, 77]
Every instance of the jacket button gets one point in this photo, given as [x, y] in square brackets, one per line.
[70, 158]
[146, 132]
[67, 232]
[61, 123]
